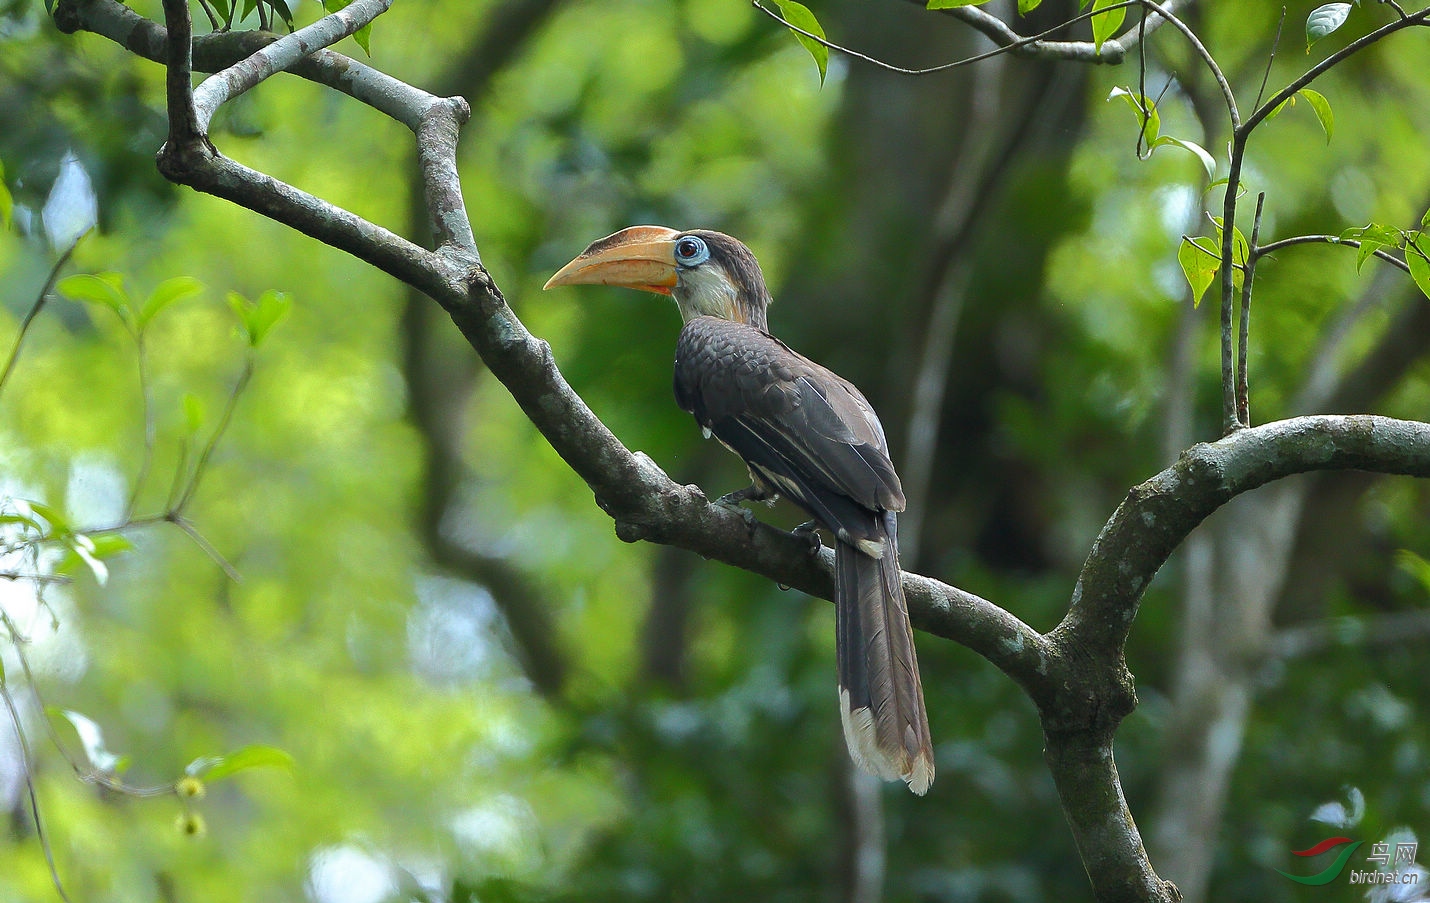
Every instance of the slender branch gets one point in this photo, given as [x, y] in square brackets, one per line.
[1270, 58]
[281, 54]
[201, 465]
[1113, 50]
[977, 58]
[1376, 631]
[27, 761]
[40, 298]
[1310, 75]
[1243, 379]
[1329, 240]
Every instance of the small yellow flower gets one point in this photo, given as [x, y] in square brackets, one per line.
[190, 788]
[191, 824]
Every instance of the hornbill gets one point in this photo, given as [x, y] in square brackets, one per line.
[804, 433]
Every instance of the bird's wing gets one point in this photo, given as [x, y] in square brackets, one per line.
[806, 430]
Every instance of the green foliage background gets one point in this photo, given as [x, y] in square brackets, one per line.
[425, 754]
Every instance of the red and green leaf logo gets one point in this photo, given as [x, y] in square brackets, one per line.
[1332, 871]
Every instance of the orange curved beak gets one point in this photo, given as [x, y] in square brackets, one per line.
[638, 257]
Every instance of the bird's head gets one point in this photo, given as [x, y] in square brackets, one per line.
[709, 274]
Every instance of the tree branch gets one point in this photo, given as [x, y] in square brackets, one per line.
[1158, 514]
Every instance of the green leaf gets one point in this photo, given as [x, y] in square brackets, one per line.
[104, 289]
[91, 738]
[1415, 566]
[169, 291]
[1199, 265]
[798, 15]
[363, 36]
[1417, 257]
[1364, 252]
[1322, 109]
[7, 202]
[215, 768]
[1375, 232]
[1145, 110]
[1276, 110]
[1027, 6]
[950, 4]
[1239, 246]
[1207, 160]
[1325, 19]
[1105, 25]
[193, 412]
[1425, 220]
[259, 317]
[81, 553]
[59, 524]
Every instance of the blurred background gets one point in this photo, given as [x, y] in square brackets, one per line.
[486, 695]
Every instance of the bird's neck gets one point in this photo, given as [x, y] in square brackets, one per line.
[697, 296]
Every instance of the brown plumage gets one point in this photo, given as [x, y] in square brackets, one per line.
[804, 433]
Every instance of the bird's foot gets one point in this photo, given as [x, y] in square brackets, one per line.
[751, 493]
[809, 531]
[732, 500]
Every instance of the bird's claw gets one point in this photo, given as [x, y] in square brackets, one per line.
[732, 500]
[809, 531]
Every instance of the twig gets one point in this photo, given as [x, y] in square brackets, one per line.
[1243, 380]
[1112, 51]
[1331, 240]
[35, 309]
[29, 764]
[282, 53]
[1271, 58]
[177, 509]
[967, 61]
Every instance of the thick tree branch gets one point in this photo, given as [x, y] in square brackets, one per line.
[1158, 514]
[1076, 674]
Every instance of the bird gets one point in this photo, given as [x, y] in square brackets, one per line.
[804, 433]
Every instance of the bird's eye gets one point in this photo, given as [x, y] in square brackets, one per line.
[691, 251]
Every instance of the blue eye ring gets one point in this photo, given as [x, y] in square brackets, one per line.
[691, 251]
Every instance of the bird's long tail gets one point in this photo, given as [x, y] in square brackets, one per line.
[881, 700]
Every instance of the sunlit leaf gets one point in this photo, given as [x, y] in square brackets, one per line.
[168, 292]
[59, 523]
[950, 4]
[1240, 249]
[798, 15]
[363, 37]
[1105, 25]
[1325, 19]
[193, 412]
[7, 202]
[1425, 220]
[1366, 250]
[1199, 265]
[104, 289]
[1276, 110]
[80, 553]
[91, 739]
[71, 209]
[259, 317]
[1027, 6]
[1207, 160]
[1417, 257]
[1144, 109]
[214, 768]
[1322, 109]
[1414, 565]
